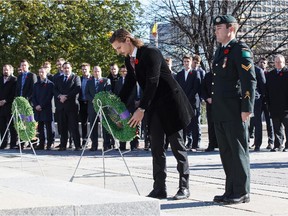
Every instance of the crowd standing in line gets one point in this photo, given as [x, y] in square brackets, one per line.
[145, 84]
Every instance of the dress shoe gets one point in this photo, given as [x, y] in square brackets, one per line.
[237, 199]
[3, 146]
[78, 149]
[158, 194]
[62, 149]
[93, 149]
[39, 147]
[257, 149]
[48, 148]
[285, 150]
[269, 146]
[276, 149]
[219, 198]
[182, 193]
[209, 149]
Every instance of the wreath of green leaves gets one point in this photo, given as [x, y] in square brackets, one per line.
[114, 109]
[24, 122]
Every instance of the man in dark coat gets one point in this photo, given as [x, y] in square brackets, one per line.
[7, 95]
[206, 90]
[257, 118]
[190, 81]
[25, 81]
[95, 85]
[66, 92]
[165, 103]
[277, 97]
[42, 102]
[233, 93]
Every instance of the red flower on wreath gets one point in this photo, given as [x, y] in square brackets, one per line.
[136, 61]
[226, 51]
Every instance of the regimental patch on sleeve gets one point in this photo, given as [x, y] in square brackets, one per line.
[247, 68]
[246, 53]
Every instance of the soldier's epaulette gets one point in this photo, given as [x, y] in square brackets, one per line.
[245, 51]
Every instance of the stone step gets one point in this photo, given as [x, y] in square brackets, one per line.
[25, 194]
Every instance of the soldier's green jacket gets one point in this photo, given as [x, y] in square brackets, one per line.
[234, 82]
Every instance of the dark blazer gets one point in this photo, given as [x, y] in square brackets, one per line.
[71, 88]
[7, 92]
[31, 78]
[90, 91]
[81, 92]
[42, 95]
[234, 82]
[206, 86]
[161, 92]
[261, 82]
[191, 86]
[277, 92]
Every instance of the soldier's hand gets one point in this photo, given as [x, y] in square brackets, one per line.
[245, 116]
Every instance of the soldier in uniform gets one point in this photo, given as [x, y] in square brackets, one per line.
[233, 93]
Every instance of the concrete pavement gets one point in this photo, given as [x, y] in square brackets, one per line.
[269, 183]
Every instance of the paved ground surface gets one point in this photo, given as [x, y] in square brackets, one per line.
[269, 177]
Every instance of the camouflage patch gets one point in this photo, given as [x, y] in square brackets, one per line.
[246, 53]
[247, 68]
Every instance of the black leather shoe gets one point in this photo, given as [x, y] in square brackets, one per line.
[182, 193]
[158, 194]
[257, 149]
[78, 149]
[62, 149]
[237, 199]
[39, 147]
[93, 149]
[219, 198]
[209, 149]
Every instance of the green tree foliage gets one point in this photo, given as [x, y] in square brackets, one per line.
[44, 30]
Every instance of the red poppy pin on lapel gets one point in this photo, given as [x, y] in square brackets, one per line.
[226, 51]
[136, 61]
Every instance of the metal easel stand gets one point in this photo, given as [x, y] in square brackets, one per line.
[99, 104]
[19, 141]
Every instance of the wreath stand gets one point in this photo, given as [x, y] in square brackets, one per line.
[99, 104]
[16, 113]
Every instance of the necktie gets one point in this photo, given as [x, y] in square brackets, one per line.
[65, 79]
[23, 82]
[132, 62]
[96, 85]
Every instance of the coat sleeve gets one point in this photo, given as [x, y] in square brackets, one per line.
[152, 60]
[246, 72]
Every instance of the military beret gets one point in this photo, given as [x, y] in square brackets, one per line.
[223, 19]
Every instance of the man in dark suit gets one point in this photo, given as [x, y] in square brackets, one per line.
[66, 92]
[263, 63]
[233, 93]
[257, 118]
[25, 81]
[7, 95]
[94, 85]
[83, 113]
[190, 82]
[206, 90]
[165, 103]
[132, 104]
[41, 98]
[277, 97]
